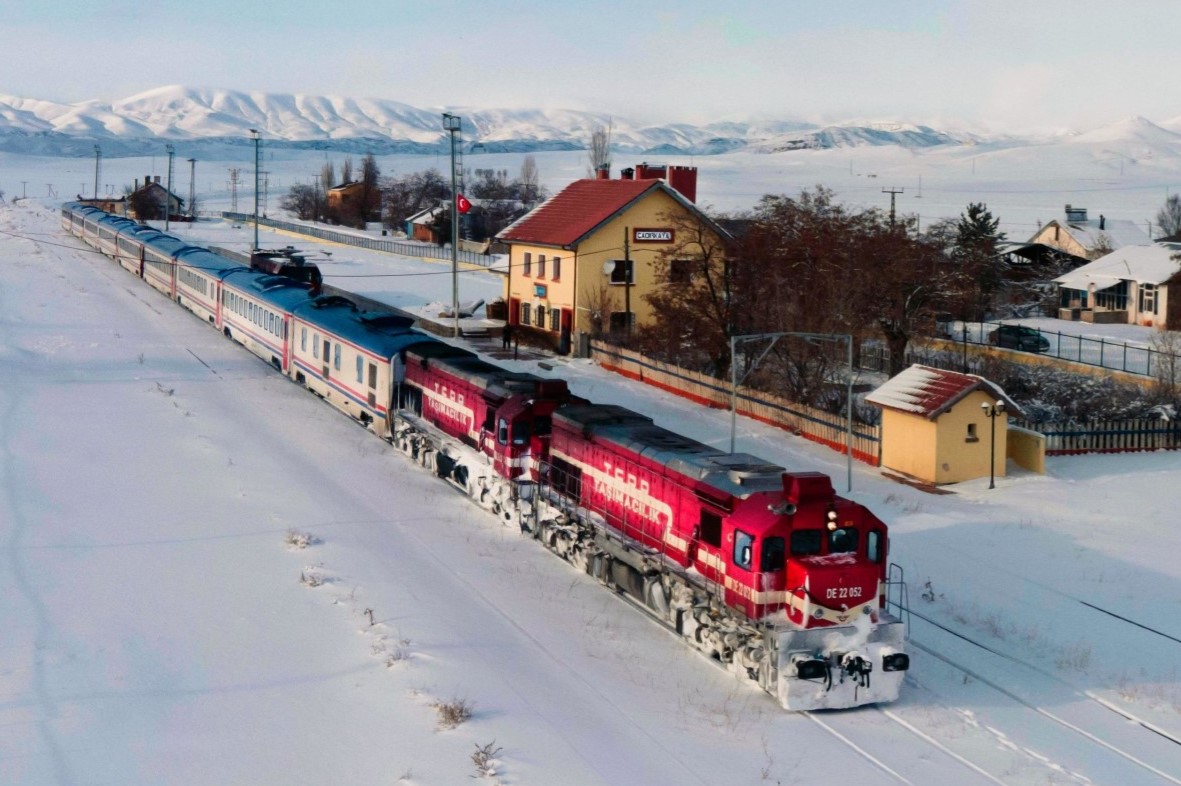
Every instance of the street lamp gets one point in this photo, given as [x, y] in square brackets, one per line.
[992, 411]
[98, 157]
[452, 124]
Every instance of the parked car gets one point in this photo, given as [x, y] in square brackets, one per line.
[1019, 337]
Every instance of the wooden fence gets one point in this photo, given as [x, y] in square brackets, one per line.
[800, 419]
[1108, 436]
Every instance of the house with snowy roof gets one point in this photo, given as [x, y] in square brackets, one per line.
[1089, 238]
[946, 427]
[1133, 285]
[582, 261]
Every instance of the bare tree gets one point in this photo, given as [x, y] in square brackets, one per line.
[346, 171]
[1103, 246]
[599, 152]
[1167, 343]
[327, 177]
[1168, 218]
[530, 181]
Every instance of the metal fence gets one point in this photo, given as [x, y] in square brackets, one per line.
[1130, 357]
[407, 249]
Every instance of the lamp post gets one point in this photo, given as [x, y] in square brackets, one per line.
[992, 411]
[168, 196]
[452, 124]
[257, 139]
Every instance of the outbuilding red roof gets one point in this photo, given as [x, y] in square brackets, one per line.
[930, 392]
[577, 210]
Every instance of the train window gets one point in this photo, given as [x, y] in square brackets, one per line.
[336, 358]
[360, 369]
[327, 344]
[773, 555]
[842, 540]
[710, 529]
[743, 547]
[873, 545]
[543, 426]
[316, 346]
[805, 542]
[303, 339]
[373, 375]
[502, 432]
[521, 432]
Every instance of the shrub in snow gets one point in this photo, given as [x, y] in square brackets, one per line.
[453, 713]
[299, 540]
[485, 760]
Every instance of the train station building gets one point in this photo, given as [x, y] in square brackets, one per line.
[581, 262]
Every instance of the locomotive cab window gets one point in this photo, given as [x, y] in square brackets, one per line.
[743, 549]
[502, 432]
[842, 540]
[521, 432]
[773, 555]
[805, 542]
[873, 546]
[710, 529]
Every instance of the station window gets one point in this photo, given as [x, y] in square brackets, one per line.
[555, 319]
[541, 316]
[623, 272]
[527, 265]
[541, 265]
[972, 434]
[557, 267]
[525, 307]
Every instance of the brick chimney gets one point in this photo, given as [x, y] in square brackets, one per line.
[603, 172]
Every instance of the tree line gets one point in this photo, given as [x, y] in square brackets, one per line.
[498, 199]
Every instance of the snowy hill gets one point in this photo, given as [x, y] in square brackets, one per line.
[345, 123]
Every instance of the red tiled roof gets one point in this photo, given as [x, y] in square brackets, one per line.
[570, 215]
[930, 392]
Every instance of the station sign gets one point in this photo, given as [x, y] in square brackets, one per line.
[652, 235]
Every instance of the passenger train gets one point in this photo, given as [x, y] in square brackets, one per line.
[768, 572]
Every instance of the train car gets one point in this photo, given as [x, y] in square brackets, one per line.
[792, 578]
[352, 358]
[199, 277]
[256, 310]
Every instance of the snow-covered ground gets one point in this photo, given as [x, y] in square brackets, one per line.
[157, 629]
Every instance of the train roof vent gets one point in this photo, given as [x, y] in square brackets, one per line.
[267, 283]
[333, 301]
[379, 321]
[803, 487]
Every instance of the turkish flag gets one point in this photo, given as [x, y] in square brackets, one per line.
[462, 204]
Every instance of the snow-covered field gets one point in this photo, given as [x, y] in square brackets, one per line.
[160, 628]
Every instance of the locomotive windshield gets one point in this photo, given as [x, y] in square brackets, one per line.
[806, 542]
[809, 542]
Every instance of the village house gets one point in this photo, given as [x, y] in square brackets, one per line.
[152, 192]
[1134, 285]
[581, 262]
[1087, 238]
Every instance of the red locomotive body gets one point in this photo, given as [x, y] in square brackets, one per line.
[681, 525]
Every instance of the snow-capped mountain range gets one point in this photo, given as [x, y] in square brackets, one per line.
[204, 117]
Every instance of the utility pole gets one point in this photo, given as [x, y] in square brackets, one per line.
[192, 186]
[257, 138]
[234, 173]
[893, 192]
[98, 157]
[452, 124]
[627, 284]
[168, 196]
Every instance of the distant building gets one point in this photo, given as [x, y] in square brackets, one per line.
[1136, 285]
[569, 257]
[117, 207]
[153, 193]
[1087, 238]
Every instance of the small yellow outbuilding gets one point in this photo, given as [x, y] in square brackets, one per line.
[942, 426]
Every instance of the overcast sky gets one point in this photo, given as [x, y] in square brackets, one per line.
[997, 65]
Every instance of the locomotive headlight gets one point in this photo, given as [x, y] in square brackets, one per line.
[832, 520]
[817, 613]
[868, 609]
